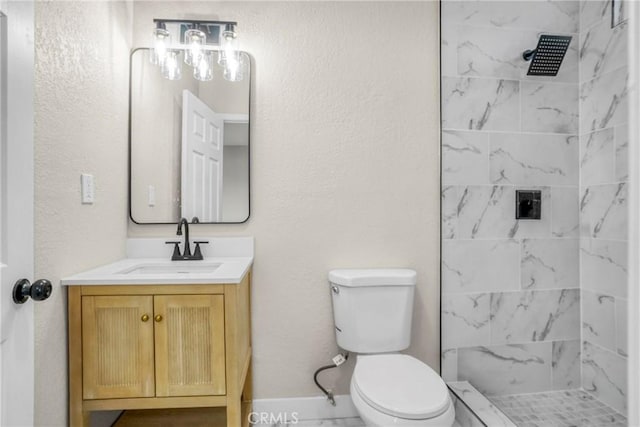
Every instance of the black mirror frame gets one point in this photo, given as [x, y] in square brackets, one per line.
[129, 149]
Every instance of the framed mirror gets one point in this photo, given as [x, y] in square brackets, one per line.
[188, 145]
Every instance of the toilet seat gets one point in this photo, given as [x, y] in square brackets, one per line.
[400, 386]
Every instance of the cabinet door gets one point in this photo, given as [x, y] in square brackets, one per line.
[117, 347]
[189, 331]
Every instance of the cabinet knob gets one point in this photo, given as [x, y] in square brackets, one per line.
[158, 318]
[144, 317]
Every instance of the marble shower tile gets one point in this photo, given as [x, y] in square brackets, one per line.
[604, 374]
[622, 322]
[622, 152]
[592, 11]
[480, 104]
[550, 264]
[549, 107]
[527, 159]
[565, 365]
[603, 265]
[603, 101]
[480, 265]
[602, 49]
[562, 16]
[597, 151]
[488, 212]
[465, 157]
[465, 320]
[603, 211]
[448, 48]
[518, 317]
[493, 52]
[507, 369]
[449, 364]
[449, 200]
[565, 214]
[599, 319]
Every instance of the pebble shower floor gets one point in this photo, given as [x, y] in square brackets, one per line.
[571, 408]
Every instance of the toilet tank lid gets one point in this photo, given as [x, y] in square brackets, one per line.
[373, 277]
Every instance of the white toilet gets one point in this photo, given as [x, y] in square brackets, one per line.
[372, 310]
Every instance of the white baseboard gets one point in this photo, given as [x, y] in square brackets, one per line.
[307, 408]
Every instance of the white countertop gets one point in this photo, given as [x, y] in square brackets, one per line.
[235, 256]
[231, 270]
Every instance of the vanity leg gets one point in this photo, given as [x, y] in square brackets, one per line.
[80, 418]
[77, 416]
[234, 413]
[247, 398]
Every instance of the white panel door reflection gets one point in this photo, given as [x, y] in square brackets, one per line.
[202, 160]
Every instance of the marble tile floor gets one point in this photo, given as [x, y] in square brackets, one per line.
[334, 422]
[570, 408]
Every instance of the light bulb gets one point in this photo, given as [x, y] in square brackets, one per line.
[234, 69]
[229, 49]
[171, 67]
[161, 41]
[204, 70]
[194, 39]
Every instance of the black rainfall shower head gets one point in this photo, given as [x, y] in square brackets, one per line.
[548, 56]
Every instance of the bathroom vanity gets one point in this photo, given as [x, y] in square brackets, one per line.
[148, 333]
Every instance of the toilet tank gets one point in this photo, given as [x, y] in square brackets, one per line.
[372, 308]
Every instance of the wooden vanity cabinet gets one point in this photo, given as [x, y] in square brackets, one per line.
[160, 346]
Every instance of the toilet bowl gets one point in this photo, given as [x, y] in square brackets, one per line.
[399, 390]
[372, 311]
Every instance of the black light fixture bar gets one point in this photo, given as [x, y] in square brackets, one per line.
[193, 21]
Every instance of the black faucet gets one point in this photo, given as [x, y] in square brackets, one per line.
[186, 255]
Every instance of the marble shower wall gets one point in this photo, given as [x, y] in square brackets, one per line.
[603, 202]
[532, 306]
[511, 289]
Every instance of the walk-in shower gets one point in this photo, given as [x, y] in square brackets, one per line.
[534, 311]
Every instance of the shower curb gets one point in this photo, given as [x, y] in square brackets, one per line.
[476, 409]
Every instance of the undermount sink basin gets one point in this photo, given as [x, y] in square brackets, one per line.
[175, 267]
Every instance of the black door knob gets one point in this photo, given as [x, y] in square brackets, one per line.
[40, 290]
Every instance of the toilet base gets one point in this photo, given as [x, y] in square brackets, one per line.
[374, 418]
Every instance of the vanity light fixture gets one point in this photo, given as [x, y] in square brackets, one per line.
[171, 67]
[204, 70]
[197, 43]
[161, 40]
[194, 39]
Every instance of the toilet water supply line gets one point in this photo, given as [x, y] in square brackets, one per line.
[337, 361]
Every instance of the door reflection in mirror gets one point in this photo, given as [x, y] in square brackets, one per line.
[189, 146]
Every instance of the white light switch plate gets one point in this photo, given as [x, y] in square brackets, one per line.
[88, 189]
[152, 195]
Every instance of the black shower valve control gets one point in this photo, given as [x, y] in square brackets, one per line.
[528, 204]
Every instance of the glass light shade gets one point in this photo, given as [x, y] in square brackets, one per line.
[204, 70]
[194, 39]
[171, 67]
[229, 46]
[161, 42]
[234, 69]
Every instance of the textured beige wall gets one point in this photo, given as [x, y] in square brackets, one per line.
[80, 126]
[345, 167]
